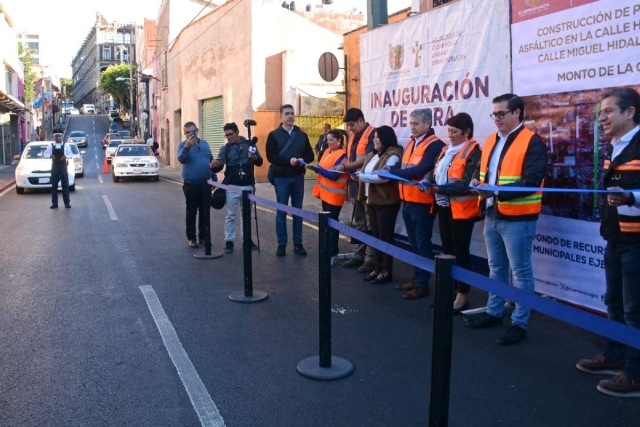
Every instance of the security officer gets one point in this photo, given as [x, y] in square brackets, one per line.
[59, 152]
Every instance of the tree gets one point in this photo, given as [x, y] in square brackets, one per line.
[67, 83]
[26, 58]
[119, 90]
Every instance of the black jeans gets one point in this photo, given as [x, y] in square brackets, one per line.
[194, 196]
[455, 235]
[59, 173]
[334, 235]
[382, 220]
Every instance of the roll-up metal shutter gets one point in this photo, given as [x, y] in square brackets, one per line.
[211, 131]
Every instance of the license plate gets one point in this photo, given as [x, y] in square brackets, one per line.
[137, 170]
[44, 180]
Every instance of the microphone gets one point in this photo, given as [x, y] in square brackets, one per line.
[250, 122]
[254, 141]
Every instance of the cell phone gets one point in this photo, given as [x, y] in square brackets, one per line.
[192, 133]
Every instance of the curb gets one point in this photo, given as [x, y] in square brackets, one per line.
[7, 185]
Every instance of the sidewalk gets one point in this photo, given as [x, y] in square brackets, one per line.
[7, 176]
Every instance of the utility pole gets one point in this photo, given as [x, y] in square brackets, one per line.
[132, 117]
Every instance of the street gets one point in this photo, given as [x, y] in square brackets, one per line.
[79, 343]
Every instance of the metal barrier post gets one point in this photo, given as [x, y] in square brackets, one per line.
[324, 366]
[206, 211]
[249, 295]
[442, 341]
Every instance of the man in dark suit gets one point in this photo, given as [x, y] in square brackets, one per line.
[322, 145]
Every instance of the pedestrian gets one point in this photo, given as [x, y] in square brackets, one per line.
[514, 156]
[457, 209]
[238, 157]
[360, 144]
[382, 198]
[195, 156]
[620, 227]
[418, 159]
[150, 143]
[287, 147]
[59, 153]
[322, 143]
[331, 187]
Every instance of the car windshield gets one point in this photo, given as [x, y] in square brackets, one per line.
[34, 152]
[124, 133]
[115, 143]
[74, 149]
[76, 134]
[134, 151]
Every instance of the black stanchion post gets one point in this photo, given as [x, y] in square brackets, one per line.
[249, 295]
[325, 366]
[206, 211]
[442, 341]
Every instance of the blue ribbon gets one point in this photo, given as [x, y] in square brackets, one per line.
[225, 187]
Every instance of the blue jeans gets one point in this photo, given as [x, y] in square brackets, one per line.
[622, 297]
[418, 221]
[289, 187]
[509, 246]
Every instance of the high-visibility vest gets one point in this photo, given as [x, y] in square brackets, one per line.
[410, 158]
[466, 206]
[361, 148]
[332, 192]
[509, 171]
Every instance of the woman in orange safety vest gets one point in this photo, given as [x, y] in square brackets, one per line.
[457, 209]
[331, 187]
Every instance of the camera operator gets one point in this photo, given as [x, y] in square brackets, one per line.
[237, 157]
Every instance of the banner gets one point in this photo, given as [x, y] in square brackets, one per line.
[452, 59]
[585, 44]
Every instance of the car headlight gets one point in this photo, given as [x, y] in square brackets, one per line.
[23, 169]
[152, 165]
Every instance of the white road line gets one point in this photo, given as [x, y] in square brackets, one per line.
[97, 166]
[112, 213]
[200, 399]
[100, 179]
[7, 190]
[96, 156]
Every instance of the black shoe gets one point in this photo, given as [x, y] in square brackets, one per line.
[381, 278]
[193, 243]
[254, 247]
[464, 307]
[513, 335]
[53, 207]
[228, 247]
[300, 250]
[67, 206]
[352, 263]
[369, 277]
[282, 250]
[484, 321]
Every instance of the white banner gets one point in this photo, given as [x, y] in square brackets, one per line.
[590, 46]
[452, 59]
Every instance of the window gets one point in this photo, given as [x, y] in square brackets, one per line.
[33, 46]
[127, 38]
[106, 53]
[125, 55]
[437, 3]
[109, 38]
[120, 38]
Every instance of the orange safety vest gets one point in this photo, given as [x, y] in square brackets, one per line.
[410, 158]
[462, 207]
[509, 171]
[361, 148]
[332, 192]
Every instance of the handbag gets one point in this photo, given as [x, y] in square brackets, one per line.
[218, 198]
[280, 153]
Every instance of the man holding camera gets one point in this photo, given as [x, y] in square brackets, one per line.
[237, 157]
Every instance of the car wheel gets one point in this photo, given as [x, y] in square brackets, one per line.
[156, 178]
[72, 188]
[19, 190]
[81, 175]
[115, 178]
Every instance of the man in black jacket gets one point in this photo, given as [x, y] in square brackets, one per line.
[285, 147]
[239, 156]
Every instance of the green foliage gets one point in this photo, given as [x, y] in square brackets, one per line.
[118, 90]
[67, 83]
[29, 76]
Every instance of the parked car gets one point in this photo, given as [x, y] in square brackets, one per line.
[34, 170]
[78, 137]
[113, 114]
[134, 160]
[114, 128]
[74, 111]
[124, 134]
[77, 159]
[108, 137]
[117, 120]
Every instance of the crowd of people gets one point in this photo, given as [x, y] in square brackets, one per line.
[350, 167]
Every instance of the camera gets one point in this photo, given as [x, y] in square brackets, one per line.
[250, 122]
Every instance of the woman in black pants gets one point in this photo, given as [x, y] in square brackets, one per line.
[382, 198]
[457, 209]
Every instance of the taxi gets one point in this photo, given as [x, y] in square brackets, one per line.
[134, 160]
[34, 170]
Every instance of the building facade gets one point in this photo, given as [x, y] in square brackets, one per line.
[31, 42]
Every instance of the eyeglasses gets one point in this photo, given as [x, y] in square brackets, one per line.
[499, 115]
[229, 135]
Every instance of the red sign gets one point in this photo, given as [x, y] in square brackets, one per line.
[522, 10]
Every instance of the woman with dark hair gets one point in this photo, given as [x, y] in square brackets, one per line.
[382, 198]
[331, 187]
[457, 209]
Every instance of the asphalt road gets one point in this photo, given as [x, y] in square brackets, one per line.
[79, 345]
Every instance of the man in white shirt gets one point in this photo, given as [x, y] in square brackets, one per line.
[620, 227]
[59, 152]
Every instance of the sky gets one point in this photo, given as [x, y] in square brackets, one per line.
[64, 24]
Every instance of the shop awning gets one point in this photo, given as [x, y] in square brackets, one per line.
[8, 104]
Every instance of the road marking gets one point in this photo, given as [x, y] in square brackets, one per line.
[100, 179]
[96, 156]
[9, 188]
[97, 166]
[205, 407]
[112, 213]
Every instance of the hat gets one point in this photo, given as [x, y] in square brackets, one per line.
[57, 132]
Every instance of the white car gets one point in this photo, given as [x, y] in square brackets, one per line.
[132, 160]
[74, 111]
[34, 170]
[77, 158]
[111, 148]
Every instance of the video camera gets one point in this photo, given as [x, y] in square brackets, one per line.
[248, 123]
